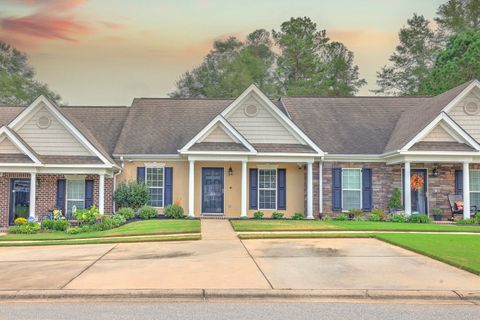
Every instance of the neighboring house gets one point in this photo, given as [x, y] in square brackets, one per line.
[234, 157]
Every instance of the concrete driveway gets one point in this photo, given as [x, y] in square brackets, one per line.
[221, 261]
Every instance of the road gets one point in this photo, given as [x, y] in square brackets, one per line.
[233, 311]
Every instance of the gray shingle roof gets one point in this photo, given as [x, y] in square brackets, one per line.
[290, 148]
[218, 146]
[440, 146]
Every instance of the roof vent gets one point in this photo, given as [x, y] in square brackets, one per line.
[251, 110]
[44, 122]
[471, 108]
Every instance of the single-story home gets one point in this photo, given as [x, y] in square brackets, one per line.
[232, 157]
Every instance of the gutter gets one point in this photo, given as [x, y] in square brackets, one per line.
[122, 166]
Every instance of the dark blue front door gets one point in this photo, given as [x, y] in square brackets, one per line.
[19, 199]
[212, 190]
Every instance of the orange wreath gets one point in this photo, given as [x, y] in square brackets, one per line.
[416, 182]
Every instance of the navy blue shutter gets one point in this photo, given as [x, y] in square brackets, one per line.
[367, 189]
[459, 182]
[282, 189]
[336, 189]
[88, 194]
[253, 195]
[61, 183]
[141, 175]
[168, 191]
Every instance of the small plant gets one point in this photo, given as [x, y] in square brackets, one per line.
[464, 221]
[298, 216]
[87, 216]
[341, 217]
[374, 217]
[118, 220]
[419, 218]
[395, 201]
[131, 195]
[327, 218]
[27, 228]
[74, 230]
[147, 212]
[277, 215]
[258, 215]
[174, 211]
[437, 214]
[380, 213]
[397, 218]
[356, 214]
[20, 221]
[55, 225]
[128, 213]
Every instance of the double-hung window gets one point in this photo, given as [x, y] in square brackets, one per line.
[351, 189]
[155, 181]
[75, 196]
[267, 189]
[475, 188]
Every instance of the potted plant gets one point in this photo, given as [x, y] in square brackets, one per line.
[437, 214]
[395, 201]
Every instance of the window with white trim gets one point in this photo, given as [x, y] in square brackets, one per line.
[475, 188]
[267, 189]
[154, 179]
[75, 195]
[351, 189]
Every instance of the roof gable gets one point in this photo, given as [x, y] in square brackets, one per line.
[15, 147]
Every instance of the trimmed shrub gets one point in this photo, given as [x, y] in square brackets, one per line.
[465, 221]
[327, 218]
[397, 218]
[131, 195]
[379, 212]
[20, 221]
[55, 225]
[174, 211]
[258, 215]
[147, 212]
[395, 201]
[419, 218]
[74, 230]
[118, 220]
[27, 228]
[341, 217]
[298, 216]
[277, 215]
[127, 213]
[374, 217]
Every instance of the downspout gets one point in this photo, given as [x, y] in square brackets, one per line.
[122, 165]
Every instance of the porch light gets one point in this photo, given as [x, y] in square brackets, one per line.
[435, 172]
[230, 171]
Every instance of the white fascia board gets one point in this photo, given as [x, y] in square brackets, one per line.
[218, 119]
[217, 158]
[19, 144]
[461, 95]
[283, 154]
[354, 158]
[219, 153]
[139, 156]
[73, 170]
[23, 169]
[273, 159]
[19, 164]
[61, 118]
[433, 159]
[290, 125]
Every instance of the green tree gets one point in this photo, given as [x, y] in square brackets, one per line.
[412, 60]
[457, 16]
[17, 78]
[457, 64]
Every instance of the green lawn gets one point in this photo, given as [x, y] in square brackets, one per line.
[146, 227]
[317, 225]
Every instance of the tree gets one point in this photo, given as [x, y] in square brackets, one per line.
[17, 78]
[457, 16]
[412, 60]
[457, 64]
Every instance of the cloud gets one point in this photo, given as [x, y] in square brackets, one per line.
[52, 4]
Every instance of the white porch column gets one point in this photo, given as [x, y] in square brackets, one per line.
[191, 188]
[320, 186]
[406, 190]
[33, 187]
[466, 190]
[101, 194]
[244, 189]
[309, 191]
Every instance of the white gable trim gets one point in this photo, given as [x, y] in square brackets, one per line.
[452, 125]
[207, 129]
[219, 125]
[19, 144]
[287, 122]
[61, 118]
[461, 95]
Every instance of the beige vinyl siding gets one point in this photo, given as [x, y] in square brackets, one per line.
[262, 128]
[218, 135]
[54, 140]
[438, 134]
[470, 123]
[7, 146]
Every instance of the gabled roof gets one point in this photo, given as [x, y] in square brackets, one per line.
[20, 144]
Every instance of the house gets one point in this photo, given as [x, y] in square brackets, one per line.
[233, 157]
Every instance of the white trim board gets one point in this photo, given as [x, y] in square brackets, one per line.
[19, 144]
[475, 84]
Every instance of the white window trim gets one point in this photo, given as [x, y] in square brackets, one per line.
[470, 183]
[66, 192]
[361, 188]
[276, 188]
[162, 187]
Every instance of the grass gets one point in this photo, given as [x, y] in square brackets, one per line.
[146, 227]
[317, 225]
[294, 235]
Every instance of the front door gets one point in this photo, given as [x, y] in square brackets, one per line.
[212, 190]
[19, 199]
[419, 197]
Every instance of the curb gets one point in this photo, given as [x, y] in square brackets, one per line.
[197, 295]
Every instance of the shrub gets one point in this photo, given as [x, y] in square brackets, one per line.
[20, 221]
[174, 211]
[298, 216]
[27, 228]
[379, 212]
[128, 213]
[397, 218]
[419, 218]
[147, 212]
[119, 220]
[341, 217]
[356, 215]
[277, 215]
[87, 216]
[258, 215]
[326, 218]
[131, 195]
[465, 221]
[395, 201]
[374, 217]
[74, 230]
[55, 225]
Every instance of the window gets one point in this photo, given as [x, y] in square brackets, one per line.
[475, 188]
[75, 196]
[351, 189]
[155, 183]
[267, 189]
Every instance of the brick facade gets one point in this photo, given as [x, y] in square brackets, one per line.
[46, 193]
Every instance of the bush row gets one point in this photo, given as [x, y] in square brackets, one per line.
[278, 215]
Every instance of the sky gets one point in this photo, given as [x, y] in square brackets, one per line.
[106, 52]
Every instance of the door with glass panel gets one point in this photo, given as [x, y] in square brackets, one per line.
[75, 197]
[19, 199]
